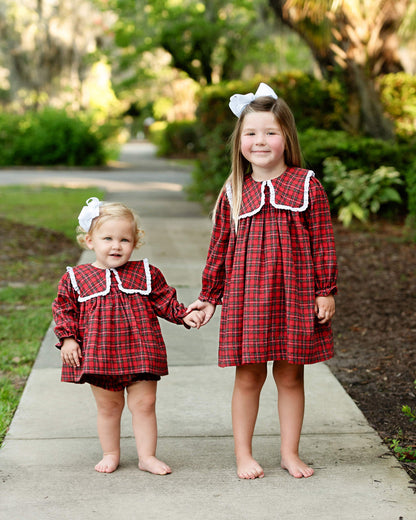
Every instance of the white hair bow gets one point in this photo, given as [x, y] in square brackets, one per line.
[238, 102]
[89, 212]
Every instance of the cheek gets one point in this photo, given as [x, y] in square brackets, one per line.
[245, 147]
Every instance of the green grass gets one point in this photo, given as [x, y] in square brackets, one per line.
[45, 206]
[25, 310]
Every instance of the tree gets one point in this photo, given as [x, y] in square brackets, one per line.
[47, 48]
[209, 40]
[356, 41]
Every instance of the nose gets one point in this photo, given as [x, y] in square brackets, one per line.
[260, 140]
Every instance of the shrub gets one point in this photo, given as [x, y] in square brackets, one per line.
[179, 139]
[49, 137]
[357, 193]
[398, 96]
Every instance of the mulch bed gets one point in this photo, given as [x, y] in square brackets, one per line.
[375, 329]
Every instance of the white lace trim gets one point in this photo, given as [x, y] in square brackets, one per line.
[108, 272]
[273, 197]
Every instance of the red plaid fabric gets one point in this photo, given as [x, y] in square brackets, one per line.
[267, 275]
[112, 313]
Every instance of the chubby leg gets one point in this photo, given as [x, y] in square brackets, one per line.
[109, 409]
[141, 400]
[249, 380]
[291, 405]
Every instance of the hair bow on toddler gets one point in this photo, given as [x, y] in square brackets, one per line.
[89, 212]
[238, 102]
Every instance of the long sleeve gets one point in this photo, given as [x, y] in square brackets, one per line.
[65, 309]
[322, 241]
[164, 301]
[213, 276]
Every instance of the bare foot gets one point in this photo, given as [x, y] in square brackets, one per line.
[154, 465]
[296, 467]
[108, 463]
[249, 468]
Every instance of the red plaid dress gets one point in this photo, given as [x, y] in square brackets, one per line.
[112, 314]
[267, 275]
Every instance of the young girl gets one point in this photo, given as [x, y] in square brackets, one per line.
[272, 265]
[106, 322]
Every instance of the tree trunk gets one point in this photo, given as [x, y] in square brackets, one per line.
[341, 51]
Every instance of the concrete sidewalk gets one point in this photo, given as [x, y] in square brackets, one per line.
[47, 461]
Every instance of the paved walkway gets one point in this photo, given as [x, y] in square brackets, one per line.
[46, 463]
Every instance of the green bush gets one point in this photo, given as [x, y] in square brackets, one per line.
[356, 193]
[179, 139]
[212, 168]
[313, 102]
[398, 96]
[49, 137]
[361, 153]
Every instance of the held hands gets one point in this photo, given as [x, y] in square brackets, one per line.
[324, 308]
[207, 308]
[71, 352]
[194, 318]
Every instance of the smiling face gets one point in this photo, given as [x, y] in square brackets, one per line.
[112, 241]
[262, 144]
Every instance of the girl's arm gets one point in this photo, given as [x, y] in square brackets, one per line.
[65, 309]
[165, 303]
[213, 276]
[322, 242]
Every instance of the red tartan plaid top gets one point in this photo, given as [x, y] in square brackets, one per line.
[267, 275]
[112, 314]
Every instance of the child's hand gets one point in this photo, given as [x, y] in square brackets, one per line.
[208, 308]
[71, 352]
[195, 319]
[324, 308]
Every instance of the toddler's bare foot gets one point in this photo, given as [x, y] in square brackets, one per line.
[154, 465]
[249, 468]
[108, 463]
[296, 467]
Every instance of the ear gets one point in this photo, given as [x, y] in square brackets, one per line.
[88, 241]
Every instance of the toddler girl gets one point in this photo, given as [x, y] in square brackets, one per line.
[109, 336]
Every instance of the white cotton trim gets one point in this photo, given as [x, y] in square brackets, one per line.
[305, 195]
[229, 192]
[108, 272]
[74, 284]
[144, 292]
[282, 206]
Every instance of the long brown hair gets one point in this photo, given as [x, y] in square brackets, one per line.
[239, 164]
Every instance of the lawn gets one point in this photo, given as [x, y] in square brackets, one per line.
[37, 229]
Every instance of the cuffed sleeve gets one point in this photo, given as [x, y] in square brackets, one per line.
[213, 276]
[322, 241]
[164, 300]
[65, 310]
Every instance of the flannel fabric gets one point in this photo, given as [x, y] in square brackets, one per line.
[112, 314]
[268, 273]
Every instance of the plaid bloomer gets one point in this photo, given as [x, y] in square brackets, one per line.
[112, 314]
[268, 273]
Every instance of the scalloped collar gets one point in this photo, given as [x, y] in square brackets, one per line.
[97, 282]
[289, 191]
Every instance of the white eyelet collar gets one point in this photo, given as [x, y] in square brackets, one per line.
[108, 272]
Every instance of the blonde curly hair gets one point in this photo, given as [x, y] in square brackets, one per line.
[109, 210]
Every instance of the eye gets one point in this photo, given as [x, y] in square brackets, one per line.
[107, 238]
[125, 240]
